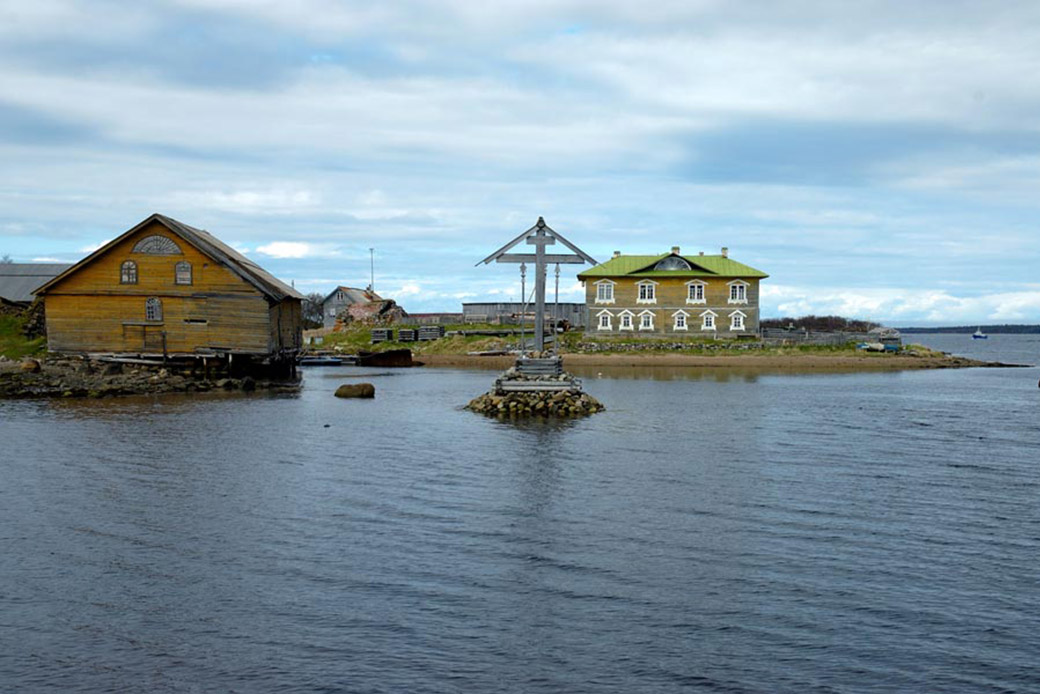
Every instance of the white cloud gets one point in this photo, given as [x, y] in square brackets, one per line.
[46, 260]
[90, 248]
[288, 249]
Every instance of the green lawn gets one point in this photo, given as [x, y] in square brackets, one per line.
[13, 344]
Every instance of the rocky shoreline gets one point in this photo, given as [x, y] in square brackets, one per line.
[81, 377]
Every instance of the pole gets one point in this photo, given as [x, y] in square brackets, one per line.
[539, 315]
[372, 261]
[556, 312]
[523, 303]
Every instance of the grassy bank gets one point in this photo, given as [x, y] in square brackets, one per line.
[358, 338]
[13, 344]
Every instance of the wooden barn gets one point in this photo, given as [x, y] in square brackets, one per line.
[166, 289]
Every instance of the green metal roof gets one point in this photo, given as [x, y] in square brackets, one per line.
[703, 266]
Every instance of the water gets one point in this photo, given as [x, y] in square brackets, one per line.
[715, 530]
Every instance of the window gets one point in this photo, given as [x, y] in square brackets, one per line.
[128, 273]
[646, 320]
[626, 320]
[157, 245]
[604, 321]
[695, 293]
[672, 262]
[707, 321]
[604, 292]
[182, 273]
[680, 320]
[153, 309]
[736, 321]
[647, 295]
[738, 292]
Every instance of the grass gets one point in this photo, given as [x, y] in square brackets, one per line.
[357, 338]
[13, 344]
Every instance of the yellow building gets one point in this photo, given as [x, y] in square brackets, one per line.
[673, 294]
[166, 288]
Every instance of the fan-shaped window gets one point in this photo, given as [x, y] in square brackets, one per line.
[153, 309]
[672, 262]
[128, 272]
[157, 245]
[182, 273]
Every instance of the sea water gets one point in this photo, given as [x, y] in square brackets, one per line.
[718, 530]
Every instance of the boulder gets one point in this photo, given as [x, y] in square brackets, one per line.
[30, 366]
[356, 390]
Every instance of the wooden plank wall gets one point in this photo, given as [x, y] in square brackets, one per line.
[91, 311]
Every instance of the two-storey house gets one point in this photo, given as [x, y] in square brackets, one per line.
[673, 294]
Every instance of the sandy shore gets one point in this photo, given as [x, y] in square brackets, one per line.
[793, 362]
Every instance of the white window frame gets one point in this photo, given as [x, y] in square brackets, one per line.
[708, 320]
[702, 286]
[680, 315]
[740, 288]
[182, 273]
[643, 315]
[651, 290]
[626, 314]
[733, 317]
[608, 285]
[153, 310]
[599, 320]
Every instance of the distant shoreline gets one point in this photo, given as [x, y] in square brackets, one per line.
[793, 362]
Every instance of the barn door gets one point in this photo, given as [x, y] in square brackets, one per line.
[154, 338]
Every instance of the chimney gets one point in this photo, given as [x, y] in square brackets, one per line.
[675, 250]
[725, 252]
[617, 254]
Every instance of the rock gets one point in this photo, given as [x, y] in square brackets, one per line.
[113, 369]
[248, 384]
[225, 383]
[356, 390]
[30, 366]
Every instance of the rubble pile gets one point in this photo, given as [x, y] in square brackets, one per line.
[518, 395]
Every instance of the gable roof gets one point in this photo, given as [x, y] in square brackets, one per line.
[268, 284]
[642, 266]
[17, 280]
[355, 295]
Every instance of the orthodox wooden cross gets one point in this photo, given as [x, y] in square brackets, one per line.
[539, 236]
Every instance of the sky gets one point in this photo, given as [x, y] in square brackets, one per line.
[880, 160]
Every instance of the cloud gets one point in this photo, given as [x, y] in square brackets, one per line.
[46, 260]
[287, 249]
[90, 248]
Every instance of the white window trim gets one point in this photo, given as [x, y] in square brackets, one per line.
[704, 292]
[612, 294]
[675, 320]
[729, 293]
[646, 313]
[631, 322]
[743, 321]
[599, 320]
[649, 283]
[714, 324]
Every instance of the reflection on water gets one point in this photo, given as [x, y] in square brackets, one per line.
[714, 529]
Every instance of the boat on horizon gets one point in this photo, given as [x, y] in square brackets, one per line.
[979, 335]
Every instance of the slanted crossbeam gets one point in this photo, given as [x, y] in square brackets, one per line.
[539, 236]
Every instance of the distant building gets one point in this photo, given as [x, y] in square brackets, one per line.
[510, 312]
[165, 287]
[18, 280]
[342, 297]
[673, 294]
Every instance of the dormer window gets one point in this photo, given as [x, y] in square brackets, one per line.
[647, 292]
[182, 273]
[672, 262]
[128, 272]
